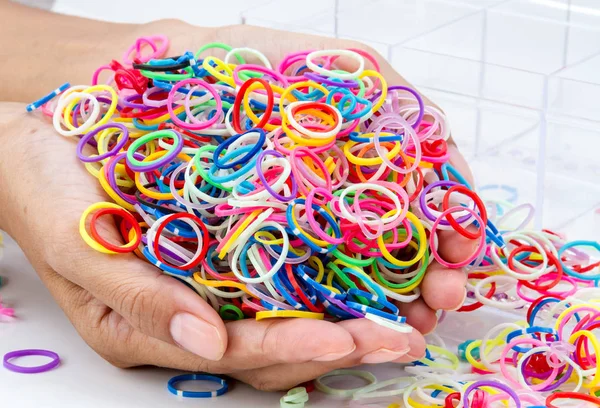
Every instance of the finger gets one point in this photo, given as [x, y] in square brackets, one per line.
[369, 338]
[454, 247]
[151, 302]
[419, 315]
[252, 344]
[374, 344]
[444, 288]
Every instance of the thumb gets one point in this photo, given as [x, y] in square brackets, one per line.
[151, 302]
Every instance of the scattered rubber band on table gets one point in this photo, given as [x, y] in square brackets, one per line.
[172, 386]
[55, 361]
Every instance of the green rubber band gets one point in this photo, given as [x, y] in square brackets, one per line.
[163, 76]
[365, 375]
[370, 391]
[226, 312]
[361, 263]
[296, 395]
[148, 138]
[424, 264]
[202, 172]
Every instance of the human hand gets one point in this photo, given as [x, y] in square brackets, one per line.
[131, 314]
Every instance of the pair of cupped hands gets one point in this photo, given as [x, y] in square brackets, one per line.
[131, 314]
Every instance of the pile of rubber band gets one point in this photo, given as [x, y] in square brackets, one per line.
[315, 189]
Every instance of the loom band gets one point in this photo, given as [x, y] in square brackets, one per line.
[420, 234]
[202, 236]
[150, 41]
[287, 293]
[390, 191]
[427, 211]
[133, 242]
[165, 156]
[300, 172]
[229, 312]
[88, 91]
[242, 98]
[570, 396]
[477, 305]
[547, 383]
[525, 272]
[330, 82]
[373, 301]
[370, 378]
[320, 288]
[194, 124]
[223, 284]
[358, 273]
[316, 245]
[95, 244]
[287, 93]
[234, 233]
[260, 222]
[265, 184]
[537, 305]
[571, 272]
[477, 204]
[404, 287]
[205, 153]
[231, 177]
[115, 193]
[529, 330]
[300, 292]
[270, 304]
[58, 121]
[558, 279]
[382, 95]
[337, 53]
[447, 169]
[351, 146]
[337, 308]
[492, 384]
[142, 184]
[255, 71]
[331, 116]
[591, 338]
[180, 75]
[218, 69]
[244, 159]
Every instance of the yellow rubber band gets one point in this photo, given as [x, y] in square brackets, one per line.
[270, 314]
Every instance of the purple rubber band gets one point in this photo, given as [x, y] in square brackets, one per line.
[111, 178]
[425, 209]
[31, 352]
[89, 136]
[342, 306]
[261, 176]
[126, 101]
[324, 80]
[415, 94]
[493, 384]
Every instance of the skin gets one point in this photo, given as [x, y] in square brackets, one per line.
[122, 306]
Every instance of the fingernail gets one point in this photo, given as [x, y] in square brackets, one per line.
[382, 356]
[461, 302]
[197, 336]
[334, 356]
